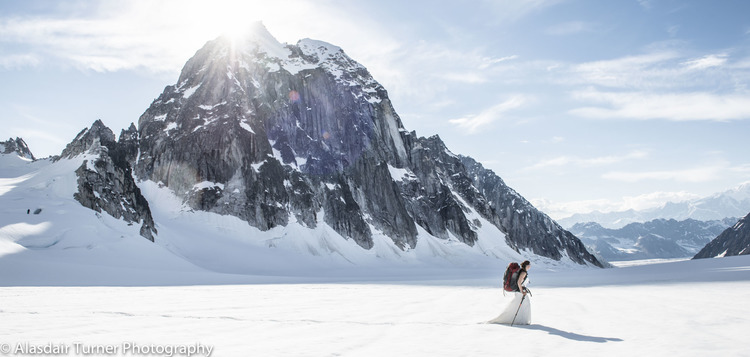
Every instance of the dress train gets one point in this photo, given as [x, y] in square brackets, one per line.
[524, 313]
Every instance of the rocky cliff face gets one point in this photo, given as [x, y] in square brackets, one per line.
[525, 226]
[17, 146]
[278, 134]
[105, 181]
[733, 241]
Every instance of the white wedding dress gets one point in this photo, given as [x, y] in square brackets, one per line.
[524, 313]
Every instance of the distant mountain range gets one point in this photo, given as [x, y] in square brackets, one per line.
[731, 203]
[660, 238]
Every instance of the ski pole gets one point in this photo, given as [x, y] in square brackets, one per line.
[519, 309]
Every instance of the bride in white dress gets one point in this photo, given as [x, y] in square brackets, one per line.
[520, 307]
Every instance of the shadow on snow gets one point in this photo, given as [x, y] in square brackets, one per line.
[569, 335]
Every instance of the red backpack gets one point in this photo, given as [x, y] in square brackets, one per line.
[510, 278]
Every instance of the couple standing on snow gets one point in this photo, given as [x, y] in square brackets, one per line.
[518, 311]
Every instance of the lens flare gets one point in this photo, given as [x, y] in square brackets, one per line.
[293, 96]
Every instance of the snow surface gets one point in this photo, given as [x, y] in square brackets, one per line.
[170, 126]
[246, 126]
[699, 311]
[399, 174]
[190, 91]
[208, 184]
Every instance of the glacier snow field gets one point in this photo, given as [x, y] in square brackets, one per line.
[693, 308]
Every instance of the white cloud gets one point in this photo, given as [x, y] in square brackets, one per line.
[663, 84]
[663, 70]
[694, 175]
[587, 162]
[468, 77]
[19, 60]
[473, 122]
[669, 106]
[558, 210]
[743, 169]
[647, 70]
[422, 72]
[488, 62]
[706, 62]
[161, 36]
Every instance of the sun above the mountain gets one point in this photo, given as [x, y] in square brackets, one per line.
[234, 19]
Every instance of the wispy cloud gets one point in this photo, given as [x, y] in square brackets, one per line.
[587, 162]
[669, 106]
[97, 43]
[713, 60]
[19, 60]
[664, 84]
[693, 175]
[161, 36]
[626, 72]
[659, 71]
[743, 169]
[488, 62]
[558, 210]
[472, 123]
[467, 77]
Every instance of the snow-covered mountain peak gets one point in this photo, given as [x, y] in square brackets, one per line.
[739, 193]
[323, 50]
[97, 135]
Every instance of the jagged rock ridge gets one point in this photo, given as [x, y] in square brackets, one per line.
[105, 182]
[525, 226]
[733, 241]
[17, 146]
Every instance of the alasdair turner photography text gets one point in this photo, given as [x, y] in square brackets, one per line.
[121, 349]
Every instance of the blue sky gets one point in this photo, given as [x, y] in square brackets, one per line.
[577, 104]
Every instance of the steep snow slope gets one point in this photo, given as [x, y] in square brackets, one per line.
[68, 244]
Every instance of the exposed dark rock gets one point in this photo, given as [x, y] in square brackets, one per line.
[98, 135]
[105, 182]
[17, 146]
[733, 241]
[525, 226]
